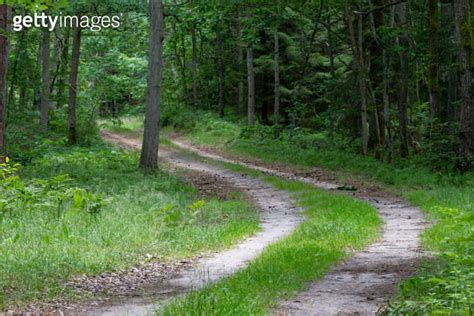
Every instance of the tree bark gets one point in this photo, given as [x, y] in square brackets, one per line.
[195, 65]
[403, 102]
[463, 14]
[64, 59]
[240, 55]
[46, 79]
[220, 63]
[433, 79]
[4, 15]
[276, 112]
[359, 62]
[151, 135]
[251, 86]
[76, 50]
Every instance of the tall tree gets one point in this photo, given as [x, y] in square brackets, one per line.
[433, 78]
[403, 101]
[151, 135]
[46, 78]
[463, 14]
[251, 86]
[240, 56]
[277, 77]
[220, 64]
[76, 50]
[4, 15]
[194, 63]
[357, 51]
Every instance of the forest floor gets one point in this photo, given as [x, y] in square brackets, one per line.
[361, 284]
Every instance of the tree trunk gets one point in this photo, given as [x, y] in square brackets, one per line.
[359, 62]
[276, 112]
[403, 102]
[64, 62]
[46, 79]
[251, 86]
[76, 50]
[240, 55]
[220, 63]
[4, 16]
[151, 135]
[195, 64]
[433, 79]
[463, 14]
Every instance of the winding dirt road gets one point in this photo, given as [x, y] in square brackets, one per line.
[359, 286]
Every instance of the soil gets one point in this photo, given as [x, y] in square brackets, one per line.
[362, 284]
[359, 286]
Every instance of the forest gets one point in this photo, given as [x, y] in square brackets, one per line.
[237, 157]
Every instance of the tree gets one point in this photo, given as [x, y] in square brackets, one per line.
[46, 79]
[72, 120]
[277, 78]
[357, 50]
[433, 78]
[149, 154]
[463, 14]
[4, 15]
[251, 86]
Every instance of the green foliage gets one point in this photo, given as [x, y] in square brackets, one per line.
[88, 210]
[334, 223]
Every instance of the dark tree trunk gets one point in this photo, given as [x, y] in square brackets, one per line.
[76, 50]
[433, 78]
[195, 65]
[240, 55]
[64, 60]
[463, 14]
[251, 86]
[403, 102]
[359, 62]
[276, 111]
[4, 16]
[46, 79]
[220, 64]
[151, 135]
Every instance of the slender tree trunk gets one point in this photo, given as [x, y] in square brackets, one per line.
[195, 65]
[46, 79]
[403, 102]
[251, 86]
[330, 46]
[463, 14]
[151, 135]
[23, 96]
[240, 55]
[386, 106]
[359, 62]
[4, 16]
[276, 112]
[433, 79]
[220, 63]
[64, 60]
[76, 50]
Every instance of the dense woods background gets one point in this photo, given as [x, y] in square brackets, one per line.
[372, 89]
[385, 78]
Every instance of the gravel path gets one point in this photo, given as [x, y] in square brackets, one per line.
[361, 285]
[277, 216]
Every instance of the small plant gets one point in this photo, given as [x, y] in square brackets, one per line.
[8, 169]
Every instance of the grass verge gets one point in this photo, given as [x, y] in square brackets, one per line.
[89, 210]
[446, 287]
[334, 225]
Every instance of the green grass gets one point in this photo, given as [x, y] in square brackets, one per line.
[334, 225]
[105, 216]
[447, 199]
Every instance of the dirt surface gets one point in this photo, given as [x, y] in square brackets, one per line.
[362, 284]
[277, 215]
